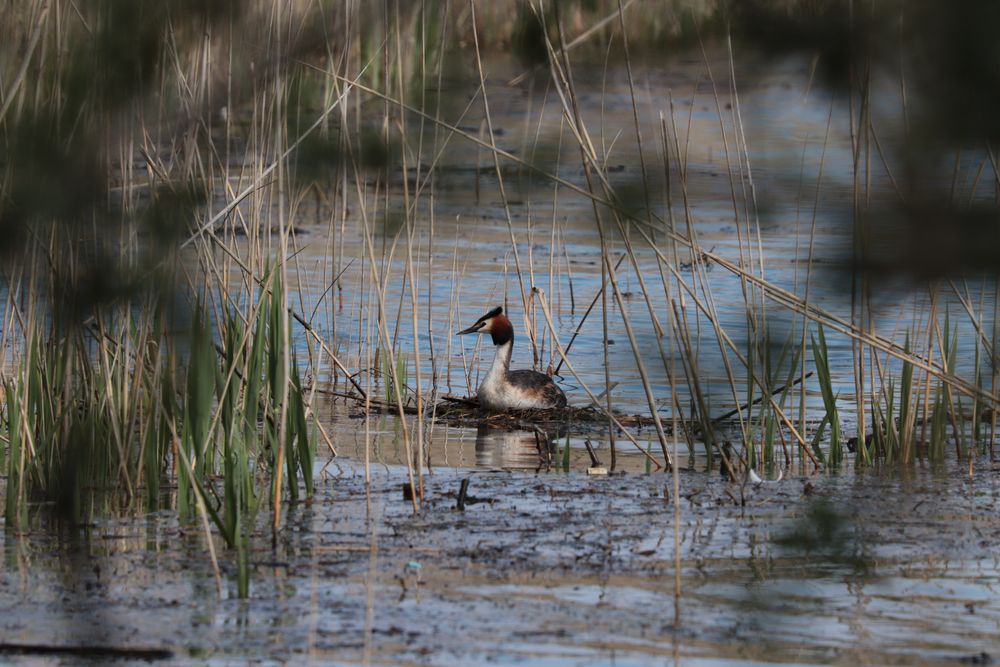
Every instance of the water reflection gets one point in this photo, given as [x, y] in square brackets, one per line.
[515, 450]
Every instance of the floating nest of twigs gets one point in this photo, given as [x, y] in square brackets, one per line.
[467, 413]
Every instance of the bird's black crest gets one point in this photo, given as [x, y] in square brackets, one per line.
[493, 313]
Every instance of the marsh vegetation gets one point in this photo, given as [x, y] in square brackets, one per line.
[749, 240]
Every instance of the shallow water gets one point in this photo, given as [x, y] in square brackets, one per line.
[558, 569]
[463, 263]
[562, 568]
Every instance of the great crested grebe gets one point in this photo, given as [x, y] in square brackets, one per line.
[504, 389]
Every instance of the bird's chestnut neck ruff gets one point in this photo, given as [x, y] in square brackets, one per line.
[501, 330]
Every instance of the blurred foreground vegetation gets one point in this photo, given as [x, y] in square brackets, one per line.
[139, 139]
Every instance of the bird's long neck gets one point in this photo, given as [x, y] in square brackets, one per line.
[503, 337]
[501, 362]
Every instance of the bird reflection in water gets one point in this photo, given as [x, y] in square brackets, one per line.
[514, 449]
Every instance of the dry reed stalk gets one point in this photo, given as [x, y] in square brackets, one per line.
[809, 257]
[603, 293]
[757, 313]
[409, 206]
[593, 398]
[436, 141]
[500, 181]
[809, 311]
[860, 291]
[675, 500]
[386, 345]
[562, 74]
[753, 299]
[597, 297]
[724, 338]
[931, 320]
[553, 285]
[819, 315]
[14, 91]
[589, 157]
[679, 320]
[744, 261]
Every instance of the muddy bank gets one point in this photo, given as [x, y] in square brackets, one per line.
[554, 569]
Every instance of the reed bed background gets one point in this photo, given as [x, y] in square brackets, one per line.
[166, 165]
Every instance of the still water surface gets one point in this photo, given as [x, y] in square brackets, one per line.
[873, 567]
[880, 567]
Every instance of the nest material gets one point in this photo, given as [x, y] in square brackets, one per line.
[468, 412]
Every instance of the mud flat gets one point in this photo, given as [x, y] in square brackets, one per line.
[552, 569]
